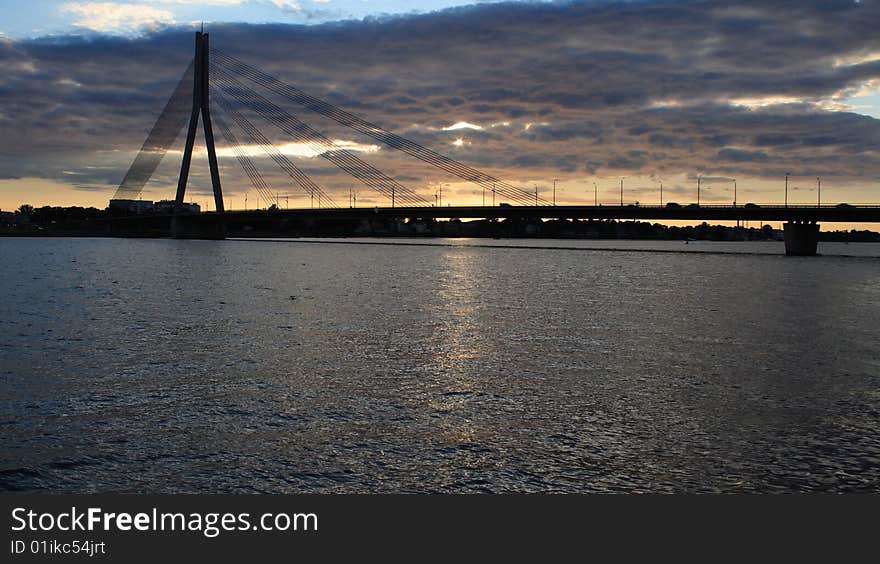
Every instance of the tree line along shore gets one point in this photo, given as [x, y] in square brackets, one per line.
[90, 221]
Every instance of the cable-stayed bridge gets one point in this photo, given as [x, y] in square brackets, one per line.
[237, 88]
[234, 85]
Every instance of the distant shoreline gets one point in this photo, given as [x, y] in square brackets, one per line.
[54, 221]
[390, 236]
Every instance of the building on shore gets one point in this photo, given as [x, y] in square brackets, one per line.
[148, 206]
[168, 206]
[133, 206]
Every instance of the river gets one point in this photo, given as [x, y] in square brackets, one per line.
[457, 366]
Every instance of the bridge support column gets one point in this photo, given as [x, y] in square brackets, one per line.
[201, 226]
[200, 106]
[801, 238]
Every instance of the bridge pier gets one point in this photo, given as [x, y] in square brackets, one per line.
[801, 238]
[201, 226]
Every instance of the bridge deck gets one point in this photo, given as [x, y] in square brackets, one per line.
[849, 214]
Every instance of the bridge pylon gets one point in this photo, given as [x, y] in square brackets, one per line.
[200, 106]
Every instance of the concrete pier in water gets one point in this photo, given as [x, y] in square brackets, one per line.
[801, 238]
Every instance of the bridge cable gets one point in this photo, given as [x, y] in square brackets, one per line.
[391, 139]
[348, 163]
[174, 116]
[307, 184]
[519, 196]
[342, 158]
[339, 115]
[257, 180]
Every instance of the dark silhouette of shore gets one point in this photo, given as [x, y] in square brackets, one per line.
[80, 221]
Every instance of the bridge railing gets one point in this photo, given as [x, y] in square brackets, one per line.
[755, 204]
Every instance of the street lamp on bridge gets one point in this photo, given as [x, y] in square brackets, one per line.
[786, 189]
[699, 178]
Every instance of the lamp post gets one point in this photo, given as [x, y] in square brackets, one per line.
[819, 188]
[734, 192]
[595, 194]
[661, 194]
[699, 178]
[621, 190]
[554, 190]
[786, 189]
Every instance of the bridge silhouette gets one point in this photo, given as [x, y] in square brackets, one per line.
[235, 88]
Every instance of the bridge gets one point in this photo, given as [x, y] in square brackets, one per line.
[807, 214]
[238, 88]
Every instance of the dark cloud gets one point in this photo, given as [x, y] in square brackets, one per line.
[740, 156]
[585, 88]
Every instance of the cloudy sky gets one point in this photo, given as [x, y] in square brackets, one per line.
[584, 92]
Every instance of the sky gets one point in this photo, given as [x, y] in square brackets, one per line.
[587, 93]
[53, 17]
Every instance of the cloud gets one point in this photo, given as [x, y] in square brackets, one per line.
[575, 89]
[299, 149]
[291, 5]
[201, 2]
[115, 17]
[740, 156]
[462, 125]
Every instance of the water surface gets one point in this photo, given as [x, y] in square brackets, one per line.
[238, 366]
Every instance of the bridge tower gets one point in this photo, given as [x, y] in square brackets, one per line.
[200, 106]
[199, 227]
